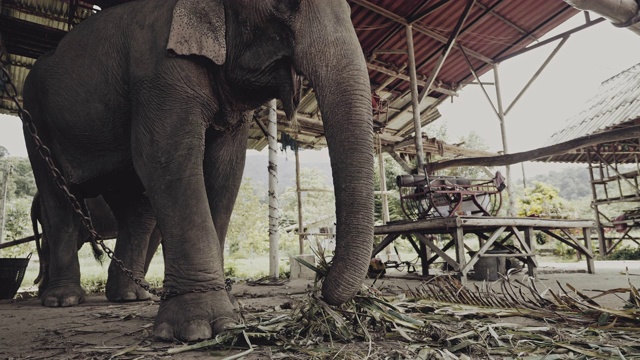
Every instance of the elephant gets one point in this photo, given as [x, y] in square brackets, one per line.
[154, 100]
[118, 287]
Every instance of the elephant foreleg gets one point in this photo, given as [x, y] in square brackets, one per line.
[135, 225]
[225, 155]
[168, 156]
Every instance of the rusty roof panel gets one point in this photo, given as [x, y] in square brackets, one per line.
[493, 28]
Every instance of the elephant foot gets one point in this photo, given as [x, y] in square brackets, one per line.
[122, 289]
[62, 296]
[194, 316]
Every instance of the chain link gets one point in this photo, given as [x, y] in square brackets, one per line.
[10, 89]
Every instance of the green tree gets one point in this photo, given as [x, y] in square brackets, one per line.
[544, 200]
[316, 205]
[573, 183]
[18, 222]
[391, 169]
[471, 141]
[248, 230]
[21, 182]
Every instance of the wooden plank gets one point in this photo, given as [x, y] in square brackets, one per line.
[561, 239]
[482, 250]
[521, 221]
[525, 245]
[384, 243]
[17, 242]
[417, 226]
[448, 224]
[423, 240]
[458, 237]
[507, 255]
[508, 159]
[582, 249]
[532, 264]
[586, 233]
[444, 249]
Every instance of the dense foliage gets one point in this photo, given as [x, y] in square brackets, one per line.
[543, 200]
[20, 190]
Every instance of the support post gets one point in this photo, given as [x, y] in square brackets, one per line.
[530, 240]
[417, 124]
[272, 129]
[383, 190]
[505, 147]
[299, 193]
[458, 237]
[383, 195]
[4, 185]
[602, 244]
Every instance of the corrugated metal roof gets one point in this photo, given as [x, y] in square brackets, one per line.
[616, 104]
[494, 28]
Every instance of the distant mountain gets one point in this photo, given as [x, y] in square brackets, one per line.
[573, 183]
[257, 163]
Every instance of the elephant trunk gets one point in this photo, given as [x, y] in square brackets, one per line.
[331, 58]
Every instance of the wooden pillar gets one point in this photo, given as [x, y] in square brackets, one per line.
[530, 240]
[586, 232]
[458, 238]
[383, 189]
[272, 129]
[383, 196]
[299, 193]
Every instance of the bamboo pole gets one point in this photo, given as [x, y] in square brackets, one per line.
[272, 129]
[299, 193]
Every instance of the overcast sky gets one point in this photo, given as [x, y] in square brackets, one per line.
[588, 58]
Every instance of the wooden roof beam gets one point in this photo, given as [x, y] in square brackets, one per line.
[541, 153]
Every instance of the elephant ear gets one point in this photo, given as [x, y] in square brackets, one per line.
[198, 28]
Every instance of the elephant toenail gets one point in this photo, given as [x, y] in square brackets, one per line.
[70, 301]
[196, 330]
[51, 302]
[223, 324]
[164, 332]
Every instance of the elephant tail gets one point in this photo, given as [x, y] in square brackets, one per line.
[98, 254]
[35, 216]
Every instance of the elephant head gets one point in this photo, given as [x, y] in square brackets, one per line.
[261, 47]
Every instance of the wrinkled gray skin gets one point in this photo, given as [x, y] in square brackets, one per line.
[119, 287]
[137, 99]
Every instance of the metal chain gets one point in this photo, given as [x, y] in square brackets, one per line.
[10, 89]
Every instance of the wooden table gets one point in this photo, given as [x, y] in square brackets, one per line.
[488, 231]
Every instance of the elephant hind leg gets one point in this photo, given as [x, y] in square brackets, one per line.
[135, 225]
[61, 283]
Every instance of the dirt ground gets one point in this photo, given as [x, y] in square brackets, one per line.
[99, 329]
